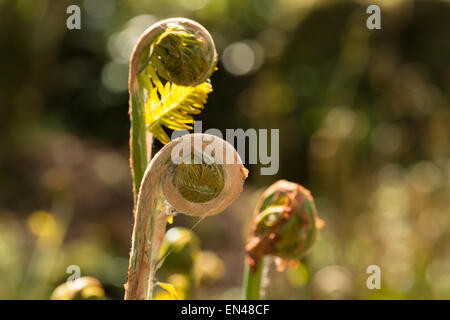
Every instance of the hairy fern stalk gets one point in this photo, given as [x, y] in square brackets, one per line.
[168, 84]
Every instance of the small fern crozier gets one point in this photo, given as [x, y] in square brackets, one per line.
[168, 83]
[178, 57]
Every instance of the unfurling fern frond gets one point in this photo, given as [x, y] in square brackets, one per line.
[172, 106]
[173, 55]
[168, 83]
[178, 56]
[285, 225]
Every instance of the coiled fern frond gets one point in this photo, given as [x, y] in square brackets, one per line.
[285, 225]
[180, 56]
[168, 83]
[168, 187]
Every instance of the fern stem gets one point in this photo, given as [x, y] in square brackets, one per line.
[252, 281]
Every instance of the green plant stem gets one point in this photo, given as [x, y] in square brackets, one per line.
[252, 281]
[141, 141]
[148, 230]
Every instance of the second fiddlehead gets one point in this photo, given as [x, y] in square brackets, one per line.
[198, 188]
[285, 225]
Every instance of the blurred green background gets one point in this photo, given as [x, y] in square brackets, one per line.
[364, 124]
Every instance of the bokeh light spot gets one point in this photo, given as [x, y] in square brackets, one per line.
[243, 57]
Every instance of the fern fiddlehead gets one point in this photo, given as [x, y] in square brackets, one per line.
[168, 84]
[285, 225]
[197, 189]
[181, 53]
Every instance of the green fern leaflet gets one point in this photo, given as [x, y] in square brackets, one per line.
[171, 105]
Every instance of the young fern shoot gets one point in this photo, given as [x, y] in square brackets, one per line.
[285, 225]
[201, 189]
[168, 84]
